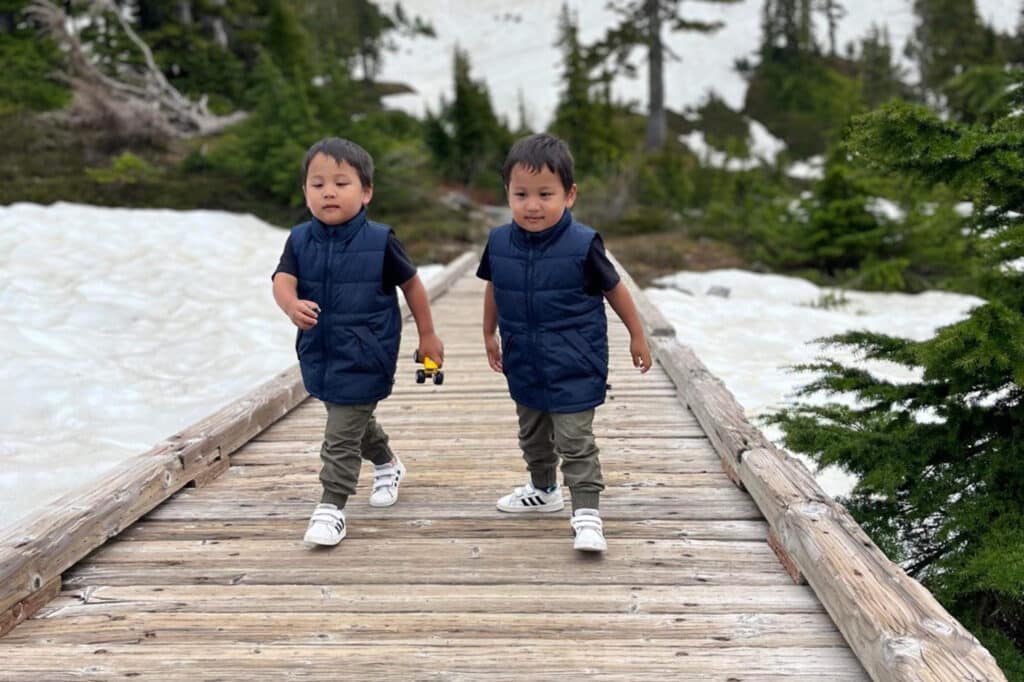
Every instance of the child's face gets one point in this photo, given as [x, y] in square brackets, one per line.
[537, 198]
[333, 190]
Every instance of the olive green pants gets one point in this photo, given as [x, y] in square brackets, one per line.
[352, 434]
[546, 437]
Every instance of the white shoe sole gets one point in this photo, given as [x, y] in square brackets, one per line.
[549, 507]
[592, 545]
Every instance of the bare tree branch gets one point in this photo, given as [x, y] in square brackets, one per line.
[182, 117]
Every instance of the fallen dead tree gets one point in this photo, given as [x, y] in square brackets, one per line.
[139, 101]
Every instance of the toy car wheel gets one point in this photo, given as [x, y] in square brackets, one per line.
[416, 355]
[439, 378]
[421, 376]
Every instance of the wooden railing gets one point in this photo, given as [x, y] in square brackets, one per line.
[894, 625]
[34, 553]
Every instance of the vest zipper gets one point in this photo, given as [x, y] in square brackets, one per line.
[531, 325]
[324, 346]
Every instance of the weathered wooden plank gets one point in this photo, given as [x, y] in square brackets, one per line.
[690, 629]
[186, 507]
[430, 598]
[499, 462]
[504, 464]
[440, 430]
[27, 607]
[459, 561]
[463, 474]
[278, 528]
[439, 659]
[483, 445]
[684, 551]
[527, 573]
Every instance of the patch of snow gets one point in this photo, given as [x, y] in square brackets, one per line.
[769, 323]
[119, 327]
[808, 169]
[715, 158]
[885, 209]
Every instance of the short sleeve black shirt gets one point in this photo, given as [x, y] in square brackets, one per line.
[398, 267]
[599, 274]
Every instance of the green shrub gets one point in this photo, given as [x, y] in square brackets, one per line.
[127, 169]
[28, 64]
[801, 100]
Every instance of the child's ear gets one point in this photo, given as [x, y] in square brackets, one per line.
[570, 196]
[367, 194]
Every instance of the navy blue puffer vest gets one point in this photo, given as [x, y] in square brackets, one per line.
[554, 335]
[349, 356]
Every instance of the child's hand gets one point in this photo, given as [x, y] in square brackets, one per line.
[431, 347]
[640, 353]
[304, 314]
[493, 346]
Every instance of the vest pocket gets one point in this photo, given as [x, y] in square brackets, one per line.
[576, 341]
[506, 353]
[371, 347]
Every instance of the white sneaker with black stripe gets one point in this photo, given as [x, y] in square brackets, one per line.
[529, 499]
[386, 479]
[326, 526]
[588, 530]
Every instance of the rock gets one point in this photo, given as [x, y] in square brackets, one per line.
[719, 291]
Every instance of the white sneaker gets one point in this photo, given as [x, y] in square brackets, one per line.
[326, 526]
[586, 525]
[386, 479]
[529, 499]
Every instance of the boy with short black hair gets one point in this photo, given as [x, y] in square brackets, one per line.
[548, 277]
[336, 282]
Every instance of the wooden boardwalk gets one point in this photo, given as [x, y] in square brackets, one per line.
[215, 583]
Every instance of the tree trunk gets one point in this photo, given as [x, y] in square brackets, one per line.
[185, 12]
[220, 36]
[655, 78]
[7, 22]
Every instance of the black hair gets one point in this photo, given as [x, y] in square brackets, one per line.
[534, 152]
[342, 150]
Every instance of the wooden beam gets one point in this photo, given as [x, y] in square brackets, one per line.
[35, 552]
[897, 629]
[24, 609]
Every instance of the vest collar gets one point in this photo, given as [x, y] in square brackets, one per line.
[539, 240]
[343, 230]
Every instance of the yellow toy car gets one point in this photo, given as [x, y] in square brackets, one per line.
[430, 369]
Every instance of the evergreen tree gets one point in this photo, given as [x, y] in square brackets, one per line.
[845, 233]
[833, 12]
[977, 95]
[948, 39]
[940, 460]
[881, 78]
[287, 42]
[786, 25]
[583, 117]
[268, 146]
[357, 32]
[466, 136]
[641, 24]
[28, 63]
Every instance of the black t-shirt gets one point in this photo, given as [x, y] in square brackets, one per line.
[398, 267]
[599, 274]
